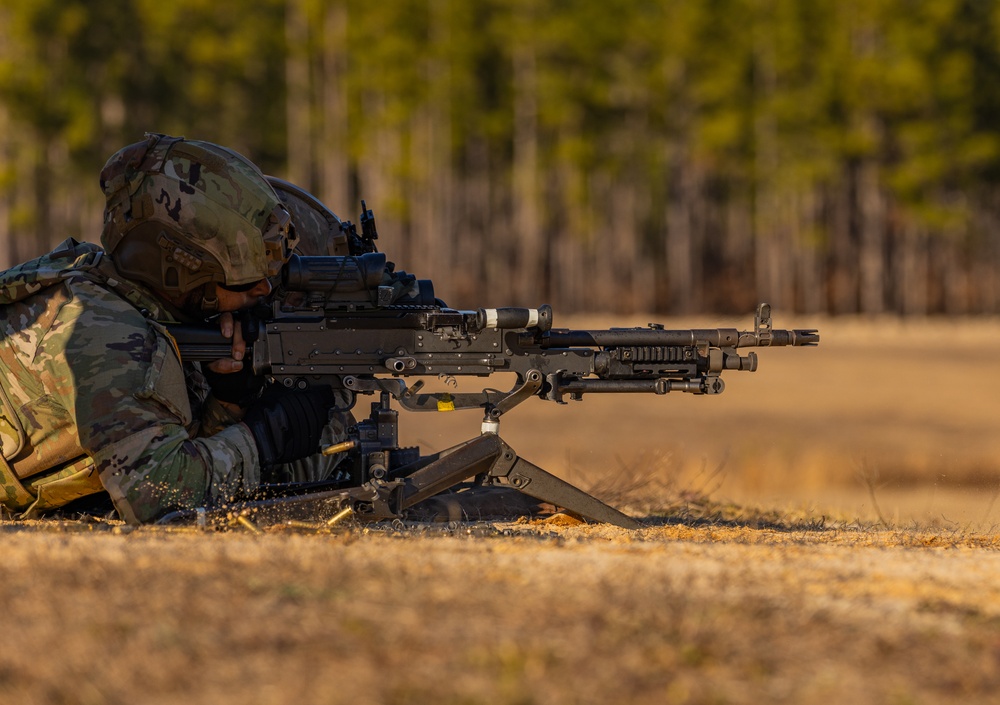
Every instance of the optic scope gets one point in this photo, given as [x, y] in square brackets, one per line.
[342, 275]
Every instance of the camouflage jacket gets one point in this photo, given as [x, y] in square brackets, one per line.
[93, 396]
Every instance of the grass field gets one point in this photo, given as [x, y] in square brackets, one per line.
[823, 532]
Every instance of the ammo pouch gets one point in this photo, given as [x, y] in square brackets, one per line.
[30, 497]
[33, 495]
[14, 496]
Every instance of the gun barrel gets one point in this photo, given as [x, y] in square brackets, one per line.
[715, 337]
[800, 337]
[540, 318]
[620, 337]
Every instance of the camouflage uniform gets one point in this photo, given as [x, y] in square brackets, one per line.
[94, 397]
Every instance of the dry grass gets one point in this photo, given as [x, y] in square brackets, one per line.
[524, 612]
[823, 532]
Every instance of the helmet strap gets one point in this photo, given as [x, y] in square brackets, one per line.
[191, 306]
[209, 299]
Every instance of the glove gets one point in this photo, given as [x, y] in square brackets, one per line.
[286, 424]
[241, 388]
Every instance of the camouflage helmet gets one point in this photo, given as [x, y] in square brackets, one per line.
[318, 229]
[183, 213]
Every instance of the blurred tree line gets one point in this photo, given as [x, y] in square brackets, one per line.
[677, 156]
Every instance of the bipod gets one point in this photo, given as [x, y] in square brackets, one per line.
[490, 458]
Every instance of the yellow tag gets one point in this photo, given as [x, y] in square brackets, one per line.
[445, 403]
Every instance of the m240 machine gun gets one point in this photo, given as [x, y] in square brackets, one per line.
[354, 324]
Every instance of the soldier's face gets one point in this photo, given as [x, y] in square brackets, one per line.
[230, 300]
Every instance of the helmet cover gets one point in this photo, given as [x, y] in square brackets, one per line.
[184, 213]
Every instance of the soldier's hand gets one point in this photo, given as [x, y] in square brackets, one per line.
[230, 328]
[287, 424]
[233, 382]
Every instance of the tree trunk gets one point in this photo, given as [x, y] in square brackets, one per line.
[872, 214]
[298, 106]
[473, 223]
[6, 191]
[568, 274]
[334, 167]
[843, 280]
[912, 279]
[432, 231]
[733, 288]
[41, 200]
[378, 180]
[810, 265]
[774, 210]
[531, 245]
[683, 265]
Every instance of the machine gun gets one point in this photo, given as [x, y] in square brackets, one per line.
[355, 324]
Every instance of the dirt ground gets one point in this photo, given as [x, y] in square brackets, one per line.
[518, 613]
[825, 531]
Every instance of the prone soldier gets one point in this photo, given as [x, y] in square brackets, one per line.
[94, 397]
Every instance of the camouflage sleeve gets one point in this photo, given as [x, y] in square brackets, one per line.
[216, 416]
[126, 389]
[210, 415]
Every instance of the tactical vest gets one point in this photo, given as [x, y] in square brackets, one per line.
[31, 495]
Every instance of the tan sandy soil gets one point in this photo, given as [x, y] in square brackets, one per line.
[517, 613]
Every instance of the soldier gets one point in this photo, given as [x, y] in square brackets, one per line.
[93, 395]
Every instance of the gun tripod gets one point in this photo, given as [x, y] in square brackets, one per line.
[386, 480]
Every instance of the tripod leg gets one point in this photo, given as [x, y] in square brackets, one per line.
[451, 467]
[513, 470]
[490, 454]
